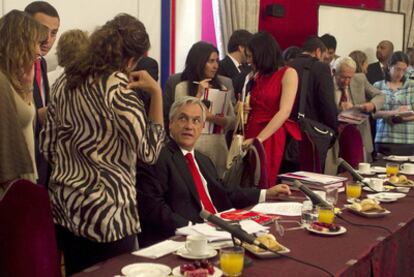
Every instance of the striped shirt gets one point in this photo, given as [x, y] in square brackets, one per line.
[401, 133]
[92, 137]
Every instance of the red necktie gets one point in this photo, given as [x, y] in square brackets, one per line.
[38, 74]
[344, 97]
[199, 184]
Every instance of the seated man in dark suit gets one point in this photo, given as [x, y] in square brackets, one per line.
[172, 192]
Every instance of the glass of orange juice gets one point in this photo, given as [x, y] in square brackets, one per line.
[392, 169]
[232, 260]
[353, 190]
[326, 214]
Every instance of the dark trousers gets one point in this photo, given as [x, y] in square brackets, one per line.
[80, 253]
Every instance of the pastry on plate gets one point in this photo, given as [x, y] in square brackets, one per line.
[267, 239]
[367, 205]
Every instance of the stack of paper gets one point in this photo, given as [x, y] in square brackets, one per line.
[313, 180]
[353, 116]
[283, 208]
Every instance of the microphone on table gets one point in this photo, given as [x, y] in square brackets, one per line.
[315, 198]
[234, 230]
[354, 174]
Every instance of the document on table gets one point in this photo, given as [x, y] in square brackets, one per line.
[160, 249]
[285, 208]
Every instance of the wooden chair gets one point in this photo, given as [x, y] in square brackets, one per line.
[27, 233]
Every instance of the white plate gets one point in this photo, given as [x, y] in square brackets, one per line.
[378, 169]
[406, 173]
[397, 158]
[370, 189]
[146, 270]
[217, 272]
[341, 231]
[182, 252]
[367, 214]
[387, 196]
[366, 173]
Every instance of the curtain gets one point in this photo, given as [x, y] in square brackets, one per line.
[231, 15]
[404, 6]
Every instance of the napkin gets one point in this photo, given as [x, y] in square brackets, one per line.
[160, 249]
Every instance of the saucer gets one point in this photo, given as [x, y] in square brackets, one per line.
[395, 158]
[146, 269]
[406, 173]
[367, 173]
[183, 252]
[378, 169]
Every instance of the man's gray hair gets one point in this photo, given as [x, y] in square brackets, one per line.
[348, 61]
[185, 101]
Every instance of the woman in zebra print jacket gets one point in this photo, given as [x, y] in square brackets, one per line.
[95, 131]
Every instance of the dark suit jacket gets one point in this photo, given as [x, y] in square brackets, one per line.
[228, 69]
[167, 196]
[375, 73]
[43, 168]
[320, 102]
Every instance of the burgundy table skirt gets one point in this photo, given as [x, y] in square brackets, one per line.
[361, 251]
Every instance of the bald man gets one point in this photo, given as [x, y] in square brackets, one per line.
[376, 70]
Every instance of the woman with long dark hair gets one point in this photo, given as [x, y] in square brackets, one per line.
[95, 131]
[271, 101]
[395, 123]
[200, 75]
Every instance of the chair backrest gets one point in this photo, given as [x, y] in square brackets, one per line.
[308, 155]
[27, 235]
[351, 147]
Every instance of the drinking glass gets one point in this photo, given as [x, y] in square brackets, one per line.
[353, 190]
[392, 169]
[232, 260]
[332, 196]
[326, 214]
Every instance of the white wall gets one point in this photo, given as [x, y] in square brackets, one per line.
[188, 29]
[357, 29]
[87, 15]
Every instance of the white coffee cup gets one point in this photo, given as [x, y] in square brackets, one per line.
[364, 167]
[196, 245]
[377, 184]
[407, 168]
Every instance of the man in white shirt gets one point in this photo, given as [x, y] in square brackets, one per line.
[183, 181]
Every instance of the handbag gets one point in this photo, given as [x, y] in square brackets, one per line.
[236, 147]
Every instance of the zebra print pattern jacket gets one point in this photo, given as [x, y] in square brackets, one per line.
[92, 138]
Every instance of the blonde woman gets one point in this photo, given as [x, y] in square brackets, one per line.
[20, 42]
